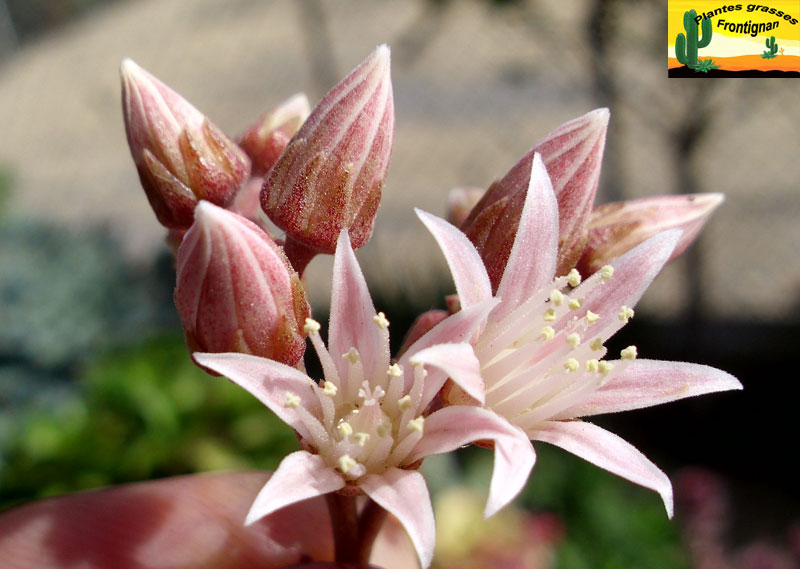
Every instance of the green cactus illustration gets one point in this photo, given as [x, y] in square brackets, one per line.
[772, 49]
[686, 46]
[705, 65]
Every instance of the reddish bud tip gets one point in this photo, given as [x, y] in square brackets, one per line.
[266, 140]
[330, 176]
[616, 228]
[572, 155]
[180, 155]
[236, 291]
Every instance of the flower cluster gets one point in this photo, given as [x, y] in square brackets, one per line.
[543, 279]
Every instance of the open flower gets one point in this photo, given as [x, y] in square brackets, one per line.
[541, 350]
[364, 428]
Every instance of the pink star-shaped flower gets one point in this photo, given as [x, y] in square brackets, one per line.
[365, 427]
[541, 349]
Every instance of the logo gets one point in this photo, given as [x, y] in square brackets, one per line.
[714, 39]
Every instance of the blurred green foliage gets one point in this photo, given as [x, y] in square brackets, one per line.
[142, 412]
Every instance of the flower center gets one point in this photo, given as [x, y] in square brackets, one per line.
[547, 355]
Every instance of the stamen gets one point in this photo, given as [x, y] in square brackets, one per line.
[556, 297]
[404, 403]
[628, 353]
[605, 367]
[346, 463]
[574, 278]
[311, 325]
[361, 438]
[550, 315]
[625, 314]
[547, 333]
[383, 429]
[344, 429]
[591, 317]
[574, 339]
[592, 366]
[571, 365]
[606, 272]
[575, 304]
[416, 424]
[329, 389]
[596, 344]
[394, 371]
[292, 400]
[351, 356]
[381, 321]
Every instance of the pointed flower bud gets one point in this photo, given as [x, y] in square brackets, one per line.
[330, 176]
[181, 156]
[616, 228]
[235, 290]
[266, 140]
[572, 154]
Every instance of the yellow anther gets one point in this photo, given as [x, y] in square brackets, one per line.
[547, 333]
[605, 367]
[383, 429]
[416, 424]
[625, 314]
[361, 438]
[329, 388]
[596, 344]
[592, 366]
[311, 325]
[394, 371]
[550, 315]
[606, 272]
[556, 297]
[575, 304]
[571, 365]
[381, 321]
[292, 400]
[591, 317]
[574, 339]
[344, 429]
[628, 353]
[346, 463]
[404, 402]
[574, 278]
[351, 356]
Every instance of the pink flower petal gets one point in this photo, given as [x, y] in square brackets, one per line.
[456, 361]
[633, 273]
[469, 274]
[452, 427]
[300, 476]
[352, 313]
[456, 328]
[608, 451]
[532, 262]
[644, 383]
[403, 494]
[269, 381]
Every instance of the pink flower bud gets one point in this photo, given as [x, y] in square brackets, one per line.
[572, 154]
[265, 141]
[616, 228]
[181, 156]
[235, 289]
[330, 176]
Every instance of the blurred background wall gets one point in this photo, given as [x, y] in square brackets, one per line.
[477, 83]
